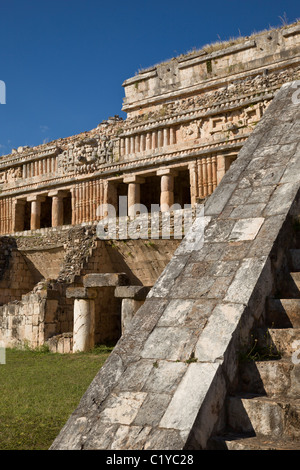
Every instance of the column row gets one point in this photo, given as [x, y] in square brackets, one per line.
[134, 182]
[30, 212]
[40, 167]
[87, 197]
[150, 140]
[6, 210]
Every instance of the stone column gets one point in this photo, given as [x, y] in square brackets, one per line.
[57, 207]
[221, 167]
[127, 145]
[18, 215]
[84, 325]
[57, 211]
[165, 137]
[134, 193]
[35, 217]
[193, 182]
[172, 136]
[84, 317]
[166, 188]
[160, 138]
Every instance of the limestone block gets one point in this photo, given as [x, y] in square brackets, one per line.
[246, 229]
[176, 312]
[261, 415]
[188, 398]
[105, 280]
[152, 409]
[68, 346]
[135, 436]
[246, 277]
[81, 293]
[132, 292]
[123, 408]
[165, 376]
[28, 332]
[60, 346]
[161, 345]
[218, 332]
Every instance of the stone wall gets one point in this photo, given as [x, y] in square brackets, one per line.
[17, 279]
[142, 260]
[30, 321]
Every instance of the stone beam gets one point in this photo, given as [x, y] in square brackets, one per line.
[105, 280]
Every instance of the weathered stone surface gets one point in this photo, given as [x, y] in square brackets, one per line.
[105, 280]
[81, 293]
[188, 398]
[222, 323]
[132, 292]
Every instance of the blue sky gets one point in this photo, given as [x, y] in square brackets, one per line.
[64, 61]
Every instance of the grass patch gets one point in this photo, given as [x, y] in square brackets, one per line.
[39, 390]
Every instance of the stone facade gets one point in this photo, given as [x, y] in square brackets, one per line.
[60, 284]
[187, 119]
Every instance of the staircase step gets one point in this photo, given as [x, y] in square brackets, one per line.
[233, 441]
[294, 259]
[283, 313]
[270, 378]
[264, 416]
[291, 285]
[285, 341]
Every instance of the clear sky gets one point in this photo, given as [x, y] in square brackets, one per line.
[64, 61]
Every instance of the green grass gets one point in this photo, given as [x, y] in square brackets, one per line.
[39, 391]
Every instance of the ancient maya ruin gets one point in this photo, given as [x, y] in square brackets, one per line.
[213, 135]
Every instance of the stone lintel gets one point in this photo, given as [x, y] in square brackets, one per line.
[133, 179]
[57, 192]
[20, 201]
[132, 292]
[81, 293]
[36, 197]
[105, 280]
[167, 171]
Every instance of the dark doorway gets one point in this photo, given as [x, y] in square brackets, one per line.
[121, 190]
[67, 202]
[182, 189]
[46, 213]
[27, 215]
[150, 192]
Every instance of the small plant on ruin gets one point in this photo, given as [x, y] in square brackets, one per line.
[191, 359]
[260, 350]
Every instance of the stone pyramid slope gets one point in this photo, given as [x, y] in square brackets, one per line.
[165, 383]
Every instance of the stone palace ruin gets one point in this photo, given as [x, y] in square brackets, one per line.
[216, 128]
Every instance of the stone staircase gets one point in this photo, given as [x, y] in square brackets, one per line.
[264, 414]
